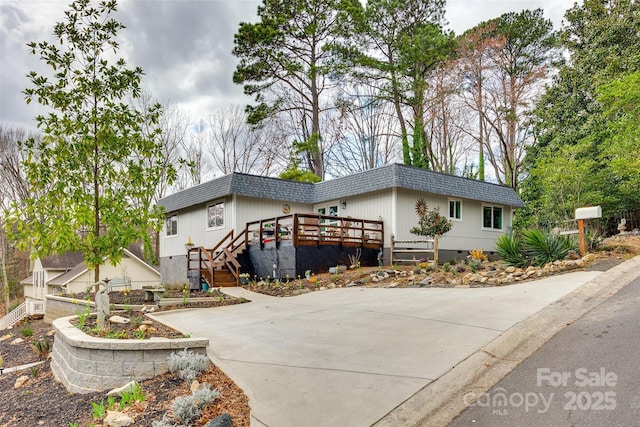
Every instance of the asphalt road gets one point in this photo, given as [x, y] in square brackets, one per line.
[587, 375]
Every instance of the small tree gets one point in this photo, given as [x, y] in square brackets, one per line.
[94, 171]
[430, 224]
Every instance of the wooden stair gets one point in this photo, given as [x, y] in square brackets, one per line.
[218, 266]
[223, 278]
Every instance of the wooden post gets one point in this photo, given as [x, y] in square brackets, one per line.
[583, 245]
[393, 247]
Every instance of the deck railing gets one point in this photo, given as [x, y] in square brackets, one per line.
[313, 229]
[301, 229]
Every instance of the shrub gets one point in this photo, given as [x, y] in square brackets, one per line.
[510, 250]
[188, 364]
[542, 247]
[185, 408]
[536, 247]
[26, 331]
[41, 347]
[478, 254]
[129, 397]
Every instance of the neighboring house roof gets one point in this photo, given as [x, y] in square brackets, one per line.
[384, 177]
[81, 268]
[61, 262]
[65, 261]
[67, 277]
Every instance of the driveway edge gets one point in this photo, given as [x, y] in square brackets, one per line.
[439, 402]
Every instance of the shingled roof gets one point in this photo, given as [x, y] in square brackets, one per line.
[382, 178]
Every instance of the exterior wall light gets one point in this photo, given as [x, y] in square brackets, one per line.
[189, 245]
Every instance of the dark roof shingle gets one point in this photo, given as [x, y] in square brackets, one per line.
[384, 177]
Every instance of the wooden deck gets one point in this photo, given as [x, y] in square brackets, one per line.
[219, 265]
[318, 230]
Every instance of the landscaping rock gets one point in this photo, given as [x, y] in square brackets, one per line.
[17, 341]
[223, 420]
[117, 419]
[20, 381]
[130, 386]
[119, 319]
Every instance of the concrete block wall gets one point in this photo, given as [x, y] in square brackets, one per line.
[86, 364]
[57, 307]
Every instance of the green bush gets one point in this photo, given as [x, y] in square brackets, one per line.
[509, 248]
[41, 347]
[534, 247]
[542, 247]
[26, 331]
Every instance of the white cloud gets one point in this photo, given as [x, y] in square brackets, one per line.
[184, 46]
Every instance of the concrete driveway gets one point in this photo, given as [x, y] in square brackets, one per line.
[348, 357]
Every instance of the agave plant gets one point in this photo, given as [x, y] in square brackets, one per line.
[510, 250]
[542, 247]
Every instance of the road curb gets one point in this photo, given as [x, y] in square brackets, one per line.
[440, 401]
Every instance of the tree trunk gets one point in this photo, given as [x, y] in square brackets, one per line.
[435, 251]
[5, 279]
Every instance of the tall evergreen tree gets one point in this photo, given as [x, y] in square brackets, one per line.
[396, 45]
[285, 65]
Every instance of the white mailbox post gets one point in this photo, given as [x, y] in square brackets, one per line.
[582, 214]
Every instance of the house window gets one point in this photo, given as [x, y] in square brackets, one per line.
[333, 210]
[215, 215]
[455, 209]
[492, 217]
[172, 225]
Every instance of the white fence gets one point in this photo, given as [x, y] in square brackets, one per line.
[411, 248]
[27, 308]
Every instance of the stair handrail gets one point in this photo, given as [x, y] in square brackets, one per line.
[13, 317]
[213, 250]
[238, 242]
[232, 264]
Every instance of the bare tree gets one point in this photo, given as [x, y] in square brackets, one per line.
[13, 190]
[364, 130]
[475, 58]
[443, 122]
[236, 147]
[170, 130]
[196, 169]
[520, 47]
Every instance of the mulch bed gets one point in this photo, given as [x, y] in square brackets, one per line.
[43, 401]
[131, 330]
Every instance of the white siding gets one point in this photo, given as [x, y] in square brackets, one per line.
[395, 207]
[193, 223]
[238, 211]
[139, 274]
[253, 209]
[464, 235]
[373, 206]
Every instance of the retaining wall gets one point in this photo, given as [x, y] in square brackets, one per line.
[57, 307]
[86, 364]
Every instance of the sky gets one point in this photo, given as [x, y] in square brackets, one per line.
[183, 46]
